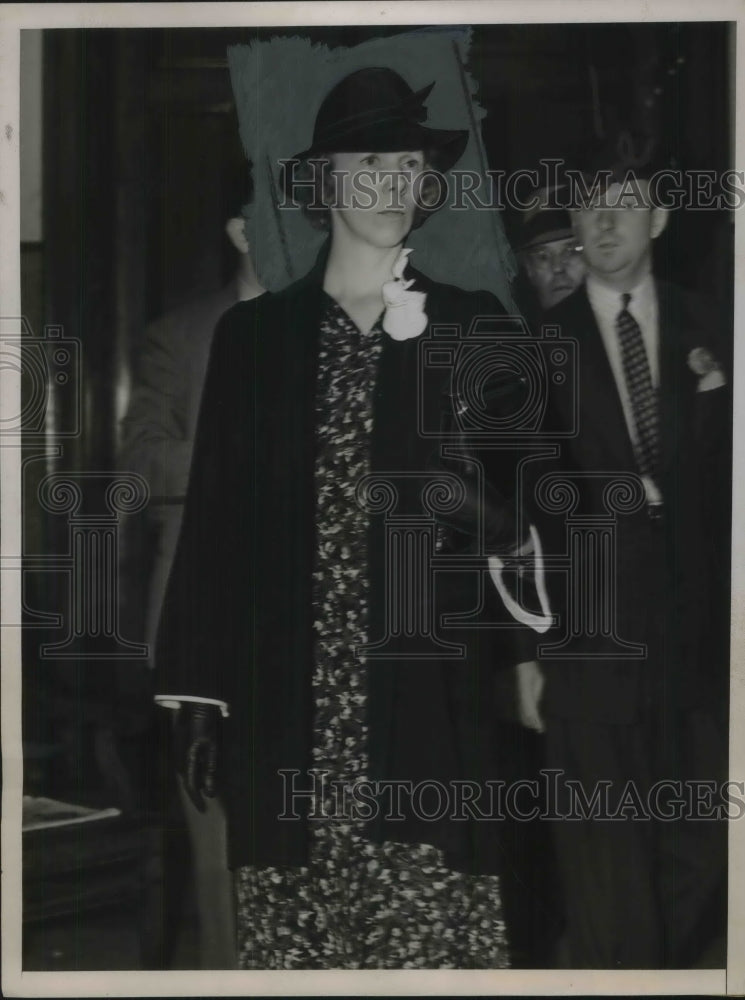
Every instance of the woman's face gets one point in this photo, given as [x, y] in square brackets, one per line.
[374, 196]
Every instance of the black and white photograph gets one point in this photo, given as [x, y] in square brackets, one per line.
[372, 574]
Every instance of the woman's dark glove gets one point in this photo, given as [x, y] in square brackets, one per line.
[484, 513]
[486, 516]
[196, 739]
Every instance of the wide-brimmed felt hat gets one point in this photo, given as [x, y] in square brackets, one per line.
[375, 111]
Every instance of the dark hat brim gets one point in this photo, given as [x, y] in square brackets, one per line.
[546, 225]
[443, 146]
[551, 237]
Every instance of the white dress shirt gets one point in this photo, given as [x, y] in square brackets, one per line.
[606, 304]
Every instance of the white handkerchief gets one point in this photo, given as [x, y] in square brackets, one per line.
[541, 623]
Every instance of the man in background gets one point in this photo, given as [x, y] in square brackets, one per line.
[548, 253]
[638, 699]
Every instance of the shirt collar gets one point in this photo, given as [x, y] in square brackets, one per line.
[607, 301]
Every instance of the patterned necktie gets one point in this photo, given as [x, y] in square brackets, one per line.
[641, 391]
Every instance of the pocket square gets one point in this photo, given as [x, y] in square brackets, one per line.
[703, 363]
[712, 380]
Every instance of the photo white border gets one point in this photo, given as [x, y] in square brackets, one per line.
[13, 18]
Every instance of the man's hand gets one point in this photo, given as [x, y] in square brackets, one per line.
[196, 731]
[530, 681]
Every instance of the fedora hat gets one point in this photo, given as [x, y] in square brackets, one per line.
[547, 221]
[546, 226]
[375, 111]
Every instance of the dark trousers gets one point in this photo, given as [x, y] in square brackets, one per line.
[638, 892]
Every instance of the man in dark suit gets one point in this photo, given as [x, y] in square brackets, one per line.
[629, 688]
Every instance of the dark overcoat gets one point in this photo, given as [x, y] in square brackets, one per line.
[237, 622]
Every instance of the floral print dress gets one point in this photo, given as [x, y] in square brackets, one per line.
[358, 905]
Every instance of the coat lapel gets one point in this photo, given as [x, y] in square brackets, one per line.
[600, 409]
[601, 412]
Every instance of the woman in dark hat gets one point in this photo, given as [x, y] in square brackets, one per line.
[300, 673]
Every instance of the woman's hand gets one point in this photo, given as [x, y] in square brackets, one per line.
[530, 681]
[196, 732]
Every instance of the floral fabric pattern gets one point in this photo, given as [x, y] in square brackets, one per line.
[358, 905]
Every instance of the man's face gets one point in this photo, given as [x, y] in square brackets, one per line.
[554, 269]
[616, 232]
[382, 183]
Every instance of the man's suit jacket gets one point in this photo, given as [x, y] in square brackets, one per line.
[237, 621]
[671, 576]
[158, 429]
[157, 433]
